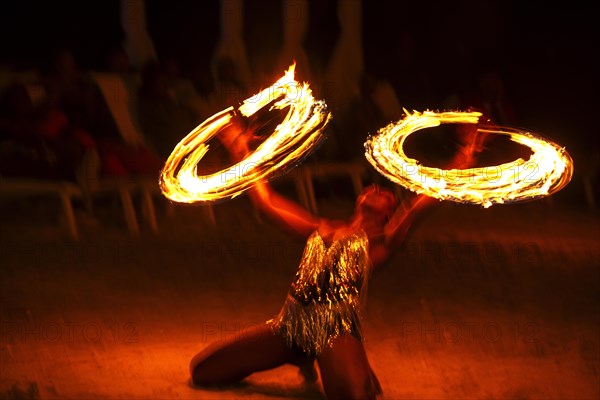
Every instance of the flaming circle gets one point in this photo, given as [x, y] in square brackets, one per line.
[548, 169]
[296, 136]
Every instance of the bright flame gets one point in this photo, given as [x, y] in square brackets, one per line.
[547, 171]
[296, 136]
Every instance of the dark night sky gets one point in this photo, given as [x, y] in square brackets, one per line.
[548, 54]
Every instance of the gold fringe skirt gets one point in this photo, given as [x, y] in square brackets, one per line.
[324, 301]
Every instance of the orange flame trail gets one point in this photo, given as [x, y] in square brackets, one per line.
[297, 135]
[547, 171]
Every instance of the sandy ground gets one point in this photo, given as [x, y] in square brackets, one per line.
[478, 304]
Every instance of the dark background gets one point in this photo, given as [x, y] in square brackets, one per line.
[546, 53]
[529, 269]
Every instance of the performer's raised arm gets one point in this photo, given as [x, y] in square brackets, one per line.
[398, 226]
[287, 213]
[282, 210]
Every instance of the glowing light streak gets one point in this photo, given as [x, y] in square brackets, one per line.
[548, 169]
[296, 136]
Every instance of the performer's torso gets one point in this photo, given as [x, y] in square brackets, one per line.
[331, 274]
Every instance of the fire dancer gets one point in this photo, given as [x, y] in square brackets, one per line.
[320, 321]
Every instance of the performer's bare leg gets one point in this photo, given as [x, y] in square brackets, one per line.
[345, 371]
[253, 350]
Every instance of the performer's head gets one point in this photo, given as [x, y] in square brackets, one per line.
[376, 204]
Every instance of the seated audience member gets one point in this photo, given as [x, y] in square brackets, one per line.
[75, 94]
[164, 119]
[38, 143]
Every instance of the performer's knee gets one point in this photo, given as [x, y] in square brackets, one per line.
[352, 390]
[199, 373]
[210, 370]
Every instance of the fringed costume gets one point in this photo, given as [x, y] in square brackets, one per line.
[324, 300]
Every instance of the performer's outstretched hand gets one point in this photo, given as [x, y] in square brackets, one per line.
[471, 143]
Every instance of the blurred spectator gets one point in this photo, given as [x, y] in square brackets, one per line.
[376, 107]
[487, 94]
[490, 98]
[228, 87]
[182, 89]
[164, 116]
[117, 61]
[381, 95]
[484, 91]
[38, 143]
[75, 94]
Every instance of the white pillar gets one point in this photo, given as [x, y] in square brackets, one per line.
[137, 42]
